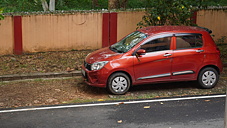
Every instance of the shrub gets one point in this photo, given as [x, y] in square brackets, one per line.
[1, 16]
[222, 45]
[167, 12]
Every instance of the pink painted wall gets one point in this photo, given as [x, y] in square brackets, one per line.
[63, 32]
[6, 36]
[216, 20]
[127, 22]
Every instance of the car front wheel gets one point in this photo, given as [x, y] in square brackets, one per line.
[208, 77]
[118, 83]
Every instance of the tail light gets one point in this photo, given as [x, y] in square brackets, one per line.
[219, 52]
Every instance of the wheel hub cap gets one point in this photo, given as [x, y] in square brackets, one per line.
[209, 78]
[119, 84]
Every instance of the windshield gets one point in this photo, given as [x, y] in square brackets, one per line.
[128, 42]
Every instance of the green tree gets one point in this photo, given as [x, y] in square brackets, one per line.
[167, 12]
[37, 5]
[20, 5]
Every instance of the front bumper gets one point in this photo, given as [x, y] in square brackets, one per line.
[95, 78]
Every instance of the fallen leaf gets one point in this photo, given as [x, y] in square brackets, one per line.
[100, 100]
[36, 101]
[120, 103]
[147, 107]
[58, 90]
[112, 96]
[207, 100]
[64, 102]
[119, 121]
[1, 104]
[68, 69]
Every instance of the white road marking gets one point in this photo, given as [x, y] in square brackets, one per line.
[112, 103]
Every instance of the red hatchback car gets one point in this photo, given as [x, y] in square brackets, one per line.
[155, 54]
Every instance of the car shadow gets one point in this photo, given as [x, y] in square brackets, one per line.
[164, 86]
[143, 88]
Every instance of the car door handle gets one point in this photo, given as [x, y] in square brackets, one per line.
[167, 54]
[199, 50]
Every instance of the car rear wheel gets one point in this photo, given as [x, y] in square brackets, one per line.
[118, 83]
[208, 78]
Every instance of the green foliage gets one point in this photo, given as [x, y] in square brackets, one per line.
[20, 5]
[72, 4]
[221, 41]
[167, 12]
[215, 2]
[222, 45]
[1, 16]
[80, 4]
[35, 5]
[136, 4]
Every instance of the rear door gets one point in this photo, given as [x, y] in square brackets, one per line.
[187, 56]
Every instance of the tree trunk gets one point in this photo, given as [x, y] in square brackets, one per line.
[52, 5]
[112, 4]
[123, 3]
[95, 3]
[45, 5]
[117, 4]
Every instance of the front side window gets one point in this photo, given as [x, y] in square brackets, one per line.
[159, 44]
[189, 41]
[128, 42]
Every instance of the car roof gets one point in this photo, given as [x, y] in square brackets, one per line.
[161, 29]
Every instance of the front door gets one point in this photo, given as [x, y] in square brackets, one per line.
[155, 65]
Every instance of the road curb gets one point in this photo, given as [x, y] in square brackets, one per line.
[39, 75]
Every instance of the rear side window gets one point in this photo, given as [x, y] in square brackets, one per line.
[189, 41]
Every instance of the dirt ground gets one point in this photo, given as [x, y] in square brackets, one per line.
[41, 92]
[42, 62]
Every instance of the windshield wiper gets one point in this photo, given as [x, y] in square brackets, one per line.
[116, 50]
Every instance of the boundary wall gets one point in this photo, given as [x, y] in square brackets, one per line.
[215, 20]
[84, 30]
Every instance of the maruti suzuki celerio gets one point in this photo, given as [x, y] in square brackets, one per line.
[155, 54]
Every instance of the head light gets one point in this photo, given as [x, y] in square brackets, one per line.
[98, 65]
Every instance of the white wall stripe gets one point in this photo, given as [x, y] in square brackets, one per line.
[113, 103]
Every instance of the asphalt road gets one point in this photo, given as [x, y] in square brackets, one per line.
[193, 113]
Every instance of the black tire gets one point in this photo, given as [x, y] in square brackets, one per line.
[118, 83]
[208, 78]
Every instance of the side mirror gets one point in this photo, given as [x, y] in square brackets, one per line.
[141, 52]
